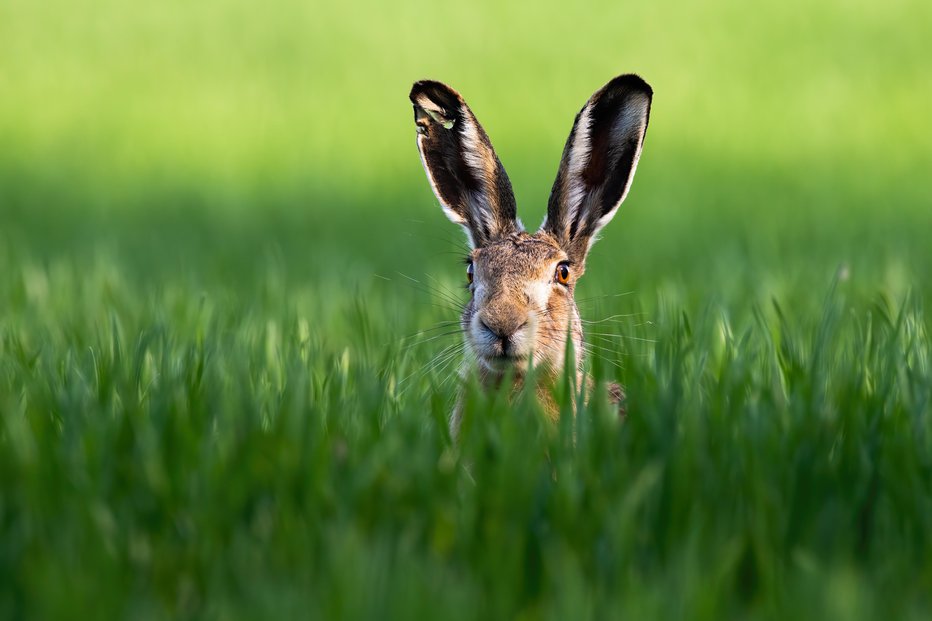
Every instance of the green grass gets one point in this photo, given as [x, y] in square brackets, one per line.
[219, 255]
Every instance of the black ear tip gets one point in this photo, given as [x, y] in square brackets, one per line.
[630, 82]
[423, 86]
[438, 92]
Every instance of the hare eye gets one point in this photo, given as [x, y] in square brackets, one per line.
[469, 272]
[562, 274]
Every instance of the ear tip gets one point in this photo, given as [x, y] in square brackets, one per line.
[631, 82]
[417, 88]
[432, 89]
[421, 86]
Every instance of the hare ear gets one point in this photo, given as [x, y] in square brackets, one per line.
[461, 165]
[599, 160]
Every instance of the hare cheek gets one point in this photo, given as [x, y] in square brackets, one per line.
[538, 294]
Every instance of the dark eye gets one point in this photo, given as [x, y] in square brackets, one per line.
[469, 271]
[562, 274]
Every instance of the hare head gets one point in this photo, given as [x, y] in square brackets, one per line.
[521, 309]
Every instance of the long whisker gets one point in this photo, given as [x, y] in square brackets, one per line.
[432, 338]
[621, 336]
[616, 319]
[423, 288]
[445, 303]
[440, 368]
[602, 297]
[439, 326]
[449, 376]
[440, 234]
[446, 353]
[454, 295]
[605, 359]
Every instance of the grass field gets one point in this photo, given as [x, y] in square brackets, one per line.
[220, 263]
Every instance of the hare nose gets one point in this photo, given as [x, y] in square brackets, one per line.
[503, 330]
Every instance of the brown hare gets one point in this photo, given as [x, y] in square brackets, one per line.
[521, 308]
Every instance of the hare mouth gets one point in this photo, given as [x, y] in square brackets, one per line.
[503, 362]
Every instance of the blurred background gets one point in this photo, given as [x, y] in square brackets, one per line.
[222, 143]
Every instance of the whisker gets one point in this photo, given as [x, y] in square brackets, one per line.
[609, 361]
[449, 376]
[440, 368]
[451, 304]
[621, 336]
[602, 297]
[423, 288]
[444, 325]
[438, 326]
[428, 340]
[451, 295]
[616, 319]
[445, 353]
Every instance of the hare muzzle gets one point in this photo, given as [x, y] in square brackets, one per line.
[501, 343]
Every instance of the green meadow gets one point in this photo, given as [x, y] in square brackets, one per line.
[225, 372]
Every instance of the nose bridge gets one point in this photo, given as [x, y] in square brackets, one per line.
[505, 309]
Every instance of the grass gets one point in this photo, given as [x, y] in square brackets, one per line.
[219, 262]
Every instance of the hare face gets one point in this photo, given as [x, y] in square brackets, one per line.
[519, 311]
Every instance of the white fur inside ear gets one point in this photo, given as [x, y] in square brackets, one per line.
[481, 163]
[580, 152]
[471, 147]
[574, 189]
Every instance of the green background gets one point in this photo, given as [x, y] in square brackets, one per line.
[220, 259]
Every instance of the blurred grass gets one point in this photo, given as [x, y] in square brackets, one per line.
[222, 91]
[211, 405]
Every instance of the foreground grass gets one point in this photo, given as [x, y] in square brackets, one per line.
[187, 452]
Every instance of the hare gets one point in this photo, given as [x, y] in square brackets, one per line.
[521, 309]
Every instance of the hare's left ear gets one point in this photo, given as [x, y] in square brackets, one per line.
[461, 165]
[598, 163]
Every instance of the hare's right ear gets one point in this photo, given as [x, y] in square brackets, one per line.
[461, 164]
